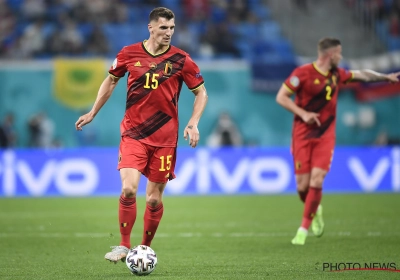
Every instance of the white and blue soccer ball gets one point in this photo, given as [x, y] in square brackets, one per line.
[141, 260]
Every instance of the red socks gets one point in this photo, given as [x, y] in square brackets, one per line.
[152, 217]
[311, 205]
[127, 218]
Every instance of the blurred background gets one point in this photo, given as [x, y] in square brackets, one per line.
[55, 53]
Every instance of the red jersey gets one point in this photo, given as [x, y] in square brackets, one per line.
[316, 92]
[154, 85]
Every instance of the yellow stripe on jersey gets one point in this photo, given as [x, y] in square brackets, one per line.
[113, 76]
[144, 46]
[352, 76]
[288, 88]
[319, 70]
[192, 89]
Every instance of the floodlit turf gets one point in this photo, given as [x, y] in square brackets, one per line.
[208, 237]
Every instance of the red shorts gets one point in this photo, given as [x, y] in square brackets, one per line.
[156, 163]
[309, 153]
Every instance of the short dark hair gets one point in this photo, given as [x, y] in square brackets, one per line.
[156, 13]
[327, 43]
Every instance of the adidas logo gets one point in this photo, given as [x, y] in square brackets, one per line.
[316, 82]
[138, 64]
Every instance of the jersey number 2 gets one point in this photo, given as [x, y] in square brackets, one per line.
[328, 92]
[154, 82]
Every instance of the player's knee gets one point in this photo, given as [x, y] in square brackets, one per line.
[302, 185]
[129, 190]
[153, 200]
[318, 180]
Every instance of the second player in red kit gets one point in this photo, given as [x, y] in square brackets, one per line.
[316, 91]
[316, 88]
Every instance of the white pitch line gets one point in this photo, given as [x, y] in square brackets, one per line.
[189, 234]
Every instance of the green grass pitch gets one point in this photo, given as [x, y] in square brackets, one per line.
[200, 237]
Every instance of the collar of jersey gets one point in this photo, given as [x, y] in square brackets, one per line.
[319, 70]
[154, 55]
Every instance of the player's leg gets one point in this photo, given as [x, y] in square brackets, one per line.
[130, 178]
[301, 155]
[159, 170]
[132, 160]
[153, 212]
[313, 210]
[321, 163]
[302, 184]
[301, 150]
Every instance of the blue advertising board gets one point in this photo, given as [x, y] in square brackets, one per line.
[200, 171]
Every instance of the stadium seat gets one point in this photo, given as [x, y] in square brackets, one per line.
[270, 30]
[85, 29]
[382, 29]
[393, 43]
[262, 12]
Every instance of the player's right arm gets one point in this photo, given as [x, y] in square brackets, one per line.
[284, 99]
[104, 93]
[117, 71]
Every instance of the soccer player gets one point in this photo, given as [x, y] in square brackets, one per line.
[316, 86]
[149, 129]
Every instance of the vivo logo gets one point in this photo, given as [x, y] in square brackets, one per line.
[201, 171]
[202, 168]
[369, 182]
[62, 173]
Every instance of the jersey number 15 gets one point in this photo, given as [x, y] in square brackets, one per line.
[153, 83]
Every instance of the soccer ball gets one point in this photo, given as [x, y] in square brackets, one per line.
[141, 260]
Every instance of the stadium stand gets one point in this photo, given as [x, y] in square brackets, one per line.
[75, 28]
[382, 16]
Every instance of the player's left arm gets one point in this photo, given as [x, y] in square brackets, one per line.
[200, 103]
[370, 76]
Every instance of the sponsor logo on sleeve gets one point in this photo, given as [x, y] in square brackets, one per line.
[114, 65]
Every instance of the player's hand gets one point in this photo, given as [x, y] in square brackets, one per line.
[311, 118]
[194, 136]
[83, 120]
[393, 77]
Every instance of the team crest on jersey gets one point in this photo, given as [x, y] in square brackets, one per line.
[168, 68]
[294, 81]
[114, 65]
[153, 65]
[334, 80]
